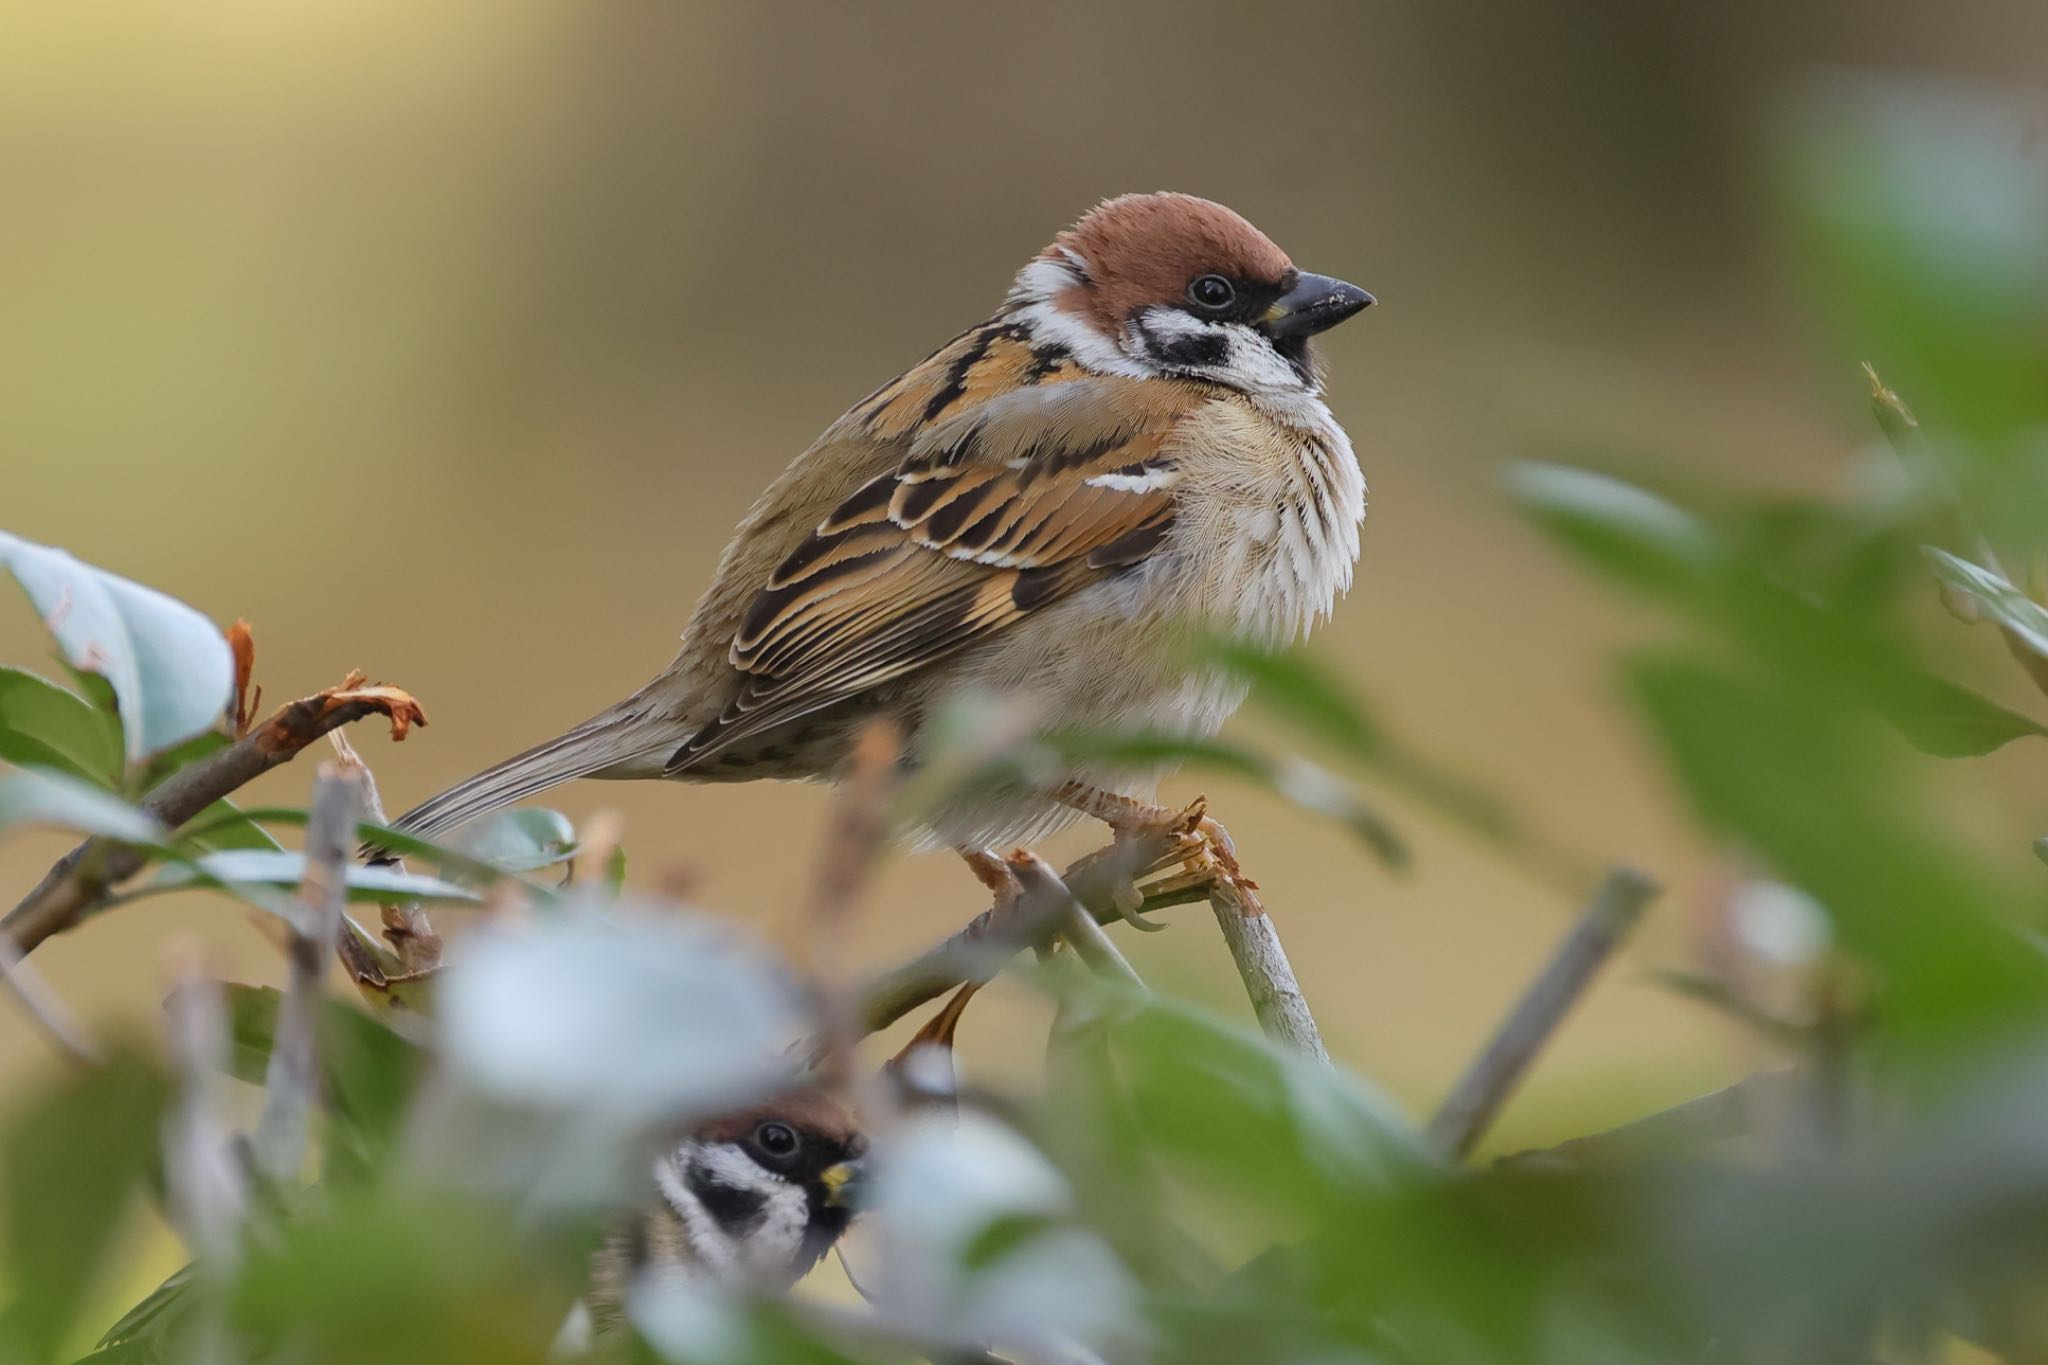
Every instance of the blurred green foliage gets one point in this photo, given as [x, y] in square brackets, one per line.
[1181, 1189]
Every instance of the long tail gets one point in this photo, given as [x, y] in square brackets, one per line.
[609, 743]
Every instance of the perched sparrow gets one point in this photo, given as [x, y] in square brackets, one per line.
[1131, 453]
[753, 1199]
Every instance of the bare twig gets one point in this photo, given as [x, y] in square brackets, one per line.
[1268, 976]
[1470, 1108]
[82, 878]
[292, 1083]
[1036, 878]
[978, 951]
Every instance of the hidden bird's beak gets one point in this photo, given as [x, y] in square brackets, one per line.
[844, 1184]
[1316, 303]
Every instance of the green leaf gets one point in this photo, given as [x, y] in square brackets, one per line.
[370, 1071]
[1628, 534]
[1811, 788]
[2021, 615]
[1950, 721]
[32, 796]
[149, 1333]
[223, 826]
[43, 725]
[255, 868]
[519, 840]
[171, 670]
[72, 1163]
[1926, 208]
[1296, 689]
[1225, 1103]
[182, 755]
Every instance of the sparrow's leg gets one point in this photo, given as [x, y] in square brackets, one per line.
[1200, 845]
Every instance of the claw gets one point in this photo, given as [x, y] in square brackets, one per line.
[1201, 846]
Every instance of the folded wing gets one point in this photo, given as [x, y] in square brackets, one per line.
[996, 512]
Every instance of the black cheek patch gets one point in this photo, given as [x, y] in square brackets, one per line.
[737, 1211]
[1199, 351]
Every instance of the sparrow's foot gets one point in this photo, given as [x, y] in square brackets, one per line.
[1199, 845]
[993, 872]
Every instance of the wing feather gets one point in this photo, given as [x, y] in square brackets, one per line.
[995, 512]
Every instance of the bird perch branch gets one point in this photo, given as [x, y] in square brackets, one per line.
[83, 877]
[1470, 1108]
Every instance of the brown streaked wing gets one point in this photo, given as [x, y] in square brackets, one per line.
[999, 510]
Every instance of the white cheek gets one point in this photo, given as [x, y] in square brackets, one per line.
[766, 1252]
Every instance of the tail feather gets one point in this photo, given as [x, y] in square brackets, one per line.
[609, 741]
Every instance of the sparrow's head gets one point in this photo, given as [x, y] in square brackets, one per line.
[761, 1195]
[1168, 284]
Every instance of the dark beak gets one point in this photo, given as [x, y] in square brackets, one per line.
[1316, 303]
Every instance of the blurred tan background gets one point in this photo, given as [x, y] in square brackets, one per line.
[446, 341]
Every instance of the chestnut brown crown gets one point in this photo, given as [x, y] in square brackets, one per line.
[1142, 250]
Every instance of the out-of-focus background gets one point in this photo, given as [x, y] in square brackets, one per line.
[447, 342]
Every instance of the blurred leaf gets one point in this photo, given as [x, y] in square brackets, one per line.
[983, 1243]
[632, 1017]
[1294, 688]
[170, 669]
[2022, 616]
[284, 868]
[73, 1160]
[370, 1072]
[409, 1276]
[1229, 1103]
[148, 1333]
[31, 796]
[1928, 217]
[44, 726]
[1629, 534]
[1806, 787]
[1950, 721]
[521, 840]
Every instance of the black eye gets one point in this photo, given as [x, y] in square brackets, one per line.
[777, 1140]
[1212, 292]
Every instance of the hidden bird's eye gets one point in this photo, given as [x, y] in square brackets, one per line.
[1212, 292]
[777, 1140]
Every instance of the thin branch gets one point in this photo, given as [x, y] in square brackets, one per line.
[1269, 981]
[1037, 879]
[82, 878]
[1487, 1084]
[989, 940]
[292, 1083]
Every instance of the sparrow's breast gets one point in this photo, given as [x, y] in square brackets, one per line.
[1266, 532]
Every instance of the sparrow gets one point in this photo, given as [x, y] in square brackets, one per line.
[1131, 454]
[753, 1199]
